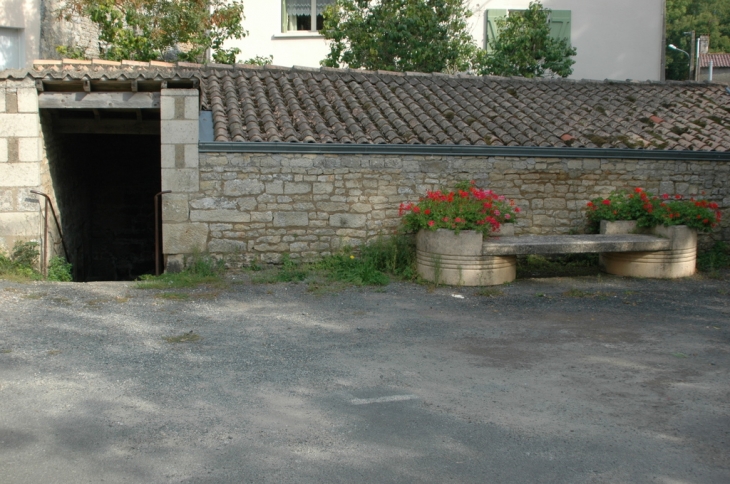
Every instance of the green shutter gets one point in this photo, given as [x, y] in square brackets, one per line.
[491, 31]
[560, 25]
[284, 17]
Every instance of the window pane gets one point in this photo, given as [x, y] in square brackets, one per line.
[298, 14]
[10, 49]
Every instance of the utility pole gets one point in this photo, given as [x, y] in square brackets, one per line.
[692, 71]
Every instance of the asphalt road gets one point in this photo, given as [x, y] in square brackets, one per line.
[565, 380]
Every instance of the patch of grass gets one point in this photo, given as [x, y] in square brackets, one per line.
[199, 269]
[176, 296]
[718, 257]
[490, 292]
[559, 266]
[19, 266]
[372, 265]
[6, 351]
[61, 300]
[189, 337]
[34, 295]
[54, 352]
[121, 299]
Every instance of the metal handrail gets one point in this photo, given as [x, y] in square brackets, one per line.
[158, 197]
[49, 203]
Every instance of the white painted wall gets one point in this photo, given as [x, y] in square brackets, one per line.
[23, 16]
[615, 39]
[263, 22]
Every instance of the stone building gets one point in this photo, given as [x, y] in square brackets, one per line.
[265, 161]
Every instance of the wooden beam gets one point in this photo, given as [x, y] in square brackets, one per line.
[87, 85]
[99, 100]
[106, 126]
[134, 85]
[39, 85]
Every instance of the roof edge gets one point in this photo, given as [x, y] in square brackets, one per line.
[459, 150]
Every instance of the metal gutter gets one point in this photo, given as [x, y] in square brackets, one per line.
[460, 150]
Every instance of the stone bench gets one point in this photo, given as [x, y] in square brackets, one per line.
[468, 259]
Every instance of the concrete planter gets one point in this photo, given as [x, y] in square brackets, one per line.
[444, 257]
[679, 261]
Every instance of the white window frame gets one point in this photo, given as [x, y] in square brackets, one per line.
[312, 32]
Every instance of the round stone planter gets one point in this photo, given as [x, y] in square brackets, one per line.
[679, 261]
[444, 257]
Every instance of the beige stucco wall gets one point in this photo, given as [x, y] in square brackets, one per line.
[25, 15]
[616, 39]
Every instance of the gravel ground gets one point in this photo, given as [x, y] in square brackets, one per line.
[586, 379]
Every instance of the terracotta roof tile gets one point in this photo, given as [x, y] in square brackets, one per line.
[306, 105]
[718, 60]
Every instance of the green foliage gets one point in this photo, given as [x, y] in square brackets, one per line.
[524, 47]
[200, 268]
[650, 210]
[260, 60]
[20, 264]
[705, 17]
[59, 270]
[346, 267]
[398, 35]
[718, 257]
[394, 255]
[25, 254]
[466, 208]
[147, 30]
[68, 52]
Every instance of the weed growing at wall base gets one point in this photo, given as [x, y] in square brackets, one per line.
[20, 264]
[200, 268]
[371, 265]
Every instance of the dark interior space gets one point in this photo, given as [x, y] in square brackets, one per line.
[105, 184]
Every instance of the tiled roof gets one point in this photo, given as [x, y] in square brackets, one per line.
[302, 105]
[718, 60]
[305, 105]
[69, 73]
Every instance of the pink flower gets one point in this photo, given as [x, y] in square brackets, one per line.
[665, 196]
[507, 216]
[430, 223]
[497, 212]
[606, 202]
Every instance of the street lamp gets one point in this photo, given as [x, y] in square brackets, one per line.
[689, 57]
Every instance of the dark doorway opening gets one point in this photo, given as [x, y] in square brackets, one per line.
[105, 185]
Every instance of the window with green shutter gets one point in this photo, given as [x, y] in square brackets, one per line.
[491, 31]
[559, 24]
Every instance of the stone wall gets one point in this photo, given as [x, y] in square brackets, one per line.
[20, 163]
[259, 206]
[75, 32]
